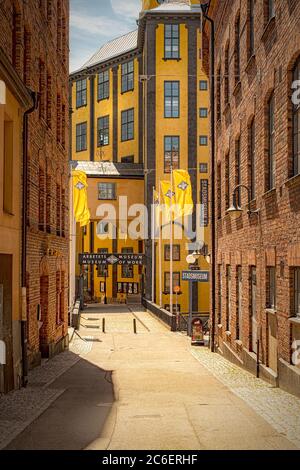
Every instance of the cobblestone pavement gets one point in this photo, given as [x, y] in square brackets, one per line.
[280, 409]
[20, 408]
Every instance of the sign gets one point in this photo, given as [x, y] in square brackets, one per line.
[197, 331]
[195, 276]
[111, 259]
[204, 203]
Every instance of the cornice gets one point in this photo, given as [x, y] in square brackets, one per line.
[13, 82]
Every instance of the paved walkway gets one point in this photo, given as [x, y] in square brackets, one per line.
[161, 394]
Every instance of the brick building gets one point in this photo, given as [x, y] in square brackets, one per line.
[257, 145]
[34, 40]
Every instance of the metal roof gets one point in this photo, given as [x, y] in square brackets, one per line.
[108, 169]
[111, 49]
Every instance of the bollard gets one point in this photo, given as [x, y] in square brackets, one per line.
[134, 326]
[103, 325]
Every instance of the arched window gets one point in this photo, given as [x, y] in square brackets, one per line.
[296, 124]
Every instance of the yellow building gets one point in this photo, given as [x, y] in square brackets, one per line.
[14, 100]
[141, 103]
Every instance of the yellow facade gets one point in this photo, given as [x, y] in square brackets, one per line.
[165, 70]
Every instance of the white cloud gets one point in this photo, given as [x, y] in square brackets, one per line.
[103, 25]
[128, 8]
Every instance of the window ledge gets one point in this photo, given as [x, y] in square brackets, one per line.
[270, 193]
[177, 59]
[295, 320]
[293, 181]
[272, 311]
[270, 26]
[238, 342]
[250, 63]
[220, 326]
[103, 99]
[228, 334]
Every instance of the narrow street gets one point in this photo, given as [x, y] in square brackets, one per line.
[149, 390]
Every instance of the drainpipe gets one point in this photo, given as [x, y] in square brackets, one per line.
[205, 8]
[35, 99]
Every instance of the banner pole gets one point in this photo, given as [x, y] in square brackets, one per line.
[160, 251]
[153, 246]
[171, 244]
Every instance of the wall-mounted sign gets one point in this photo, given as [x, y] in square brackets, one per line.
[111, 259]
[195, 276]
[204, 203]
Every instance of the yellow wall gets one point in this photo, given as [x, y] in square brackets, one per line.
[178, 70]
[10, 224]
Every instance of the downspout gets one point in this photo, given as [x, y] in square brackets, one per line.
[205, 8]
[35, 99]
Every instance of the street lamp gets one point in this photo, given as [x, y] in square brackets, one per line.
[105, 272]
[235, 211]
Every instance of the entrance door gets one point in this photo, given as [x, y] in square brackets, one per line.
[272, 342]
[253, 310]
[7, 370]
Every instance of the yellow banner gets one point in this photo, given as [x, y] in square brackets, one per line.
[80, 199]
[183, 193]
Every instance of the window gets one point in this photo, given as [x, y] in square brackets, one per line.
[8, 191]
[106, 191]
[81, 93]
[237, 51]
[63, 212]
[41, 199]
[252, 164]
[271, 143]
[58, 118]
[129, 159]
[171, 153]
[219, 294]
[203, 140]
[16, 39]
[250, 28]
[176, 253]
[103, 85]
[219, 109]
[171, 99]
[127, 76]
[42, 89]
[239, 297]
[102, 228]
[271, 288]
[227, 181]
[203, 85]
[226, 78]
[228, 298]
[81, 137]
[176, 281]
[127, 269]
[127, 118]
[58, 297]
[297, 292]
[270, 9]
[27, 57]
[253, 308]
[58, 210]
[171, 41]
[296, 126]
[102, 268]
[219, 191]
[103, 131]
[238, 169]
[203, 112]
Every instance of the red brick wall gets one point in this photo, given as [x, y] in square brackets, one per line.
[277, 46]
[34, 35]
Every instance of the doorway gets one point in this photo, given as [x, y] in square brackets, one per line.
[7, 370]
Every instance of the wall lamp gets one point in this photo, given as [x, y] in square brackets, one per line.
[235, 211]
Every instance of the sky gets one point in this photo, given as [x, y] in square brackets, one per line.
[94, 22]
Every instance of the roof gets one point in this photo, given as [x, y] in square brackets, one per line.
[108, 169]
[177, 6]
[114, 48]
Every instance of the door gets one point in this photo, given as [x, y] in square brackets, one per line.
[253, 310]
[7, 370]
[272, 342]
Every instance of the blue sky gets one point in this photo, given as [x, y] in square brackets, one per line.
[94, 22]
